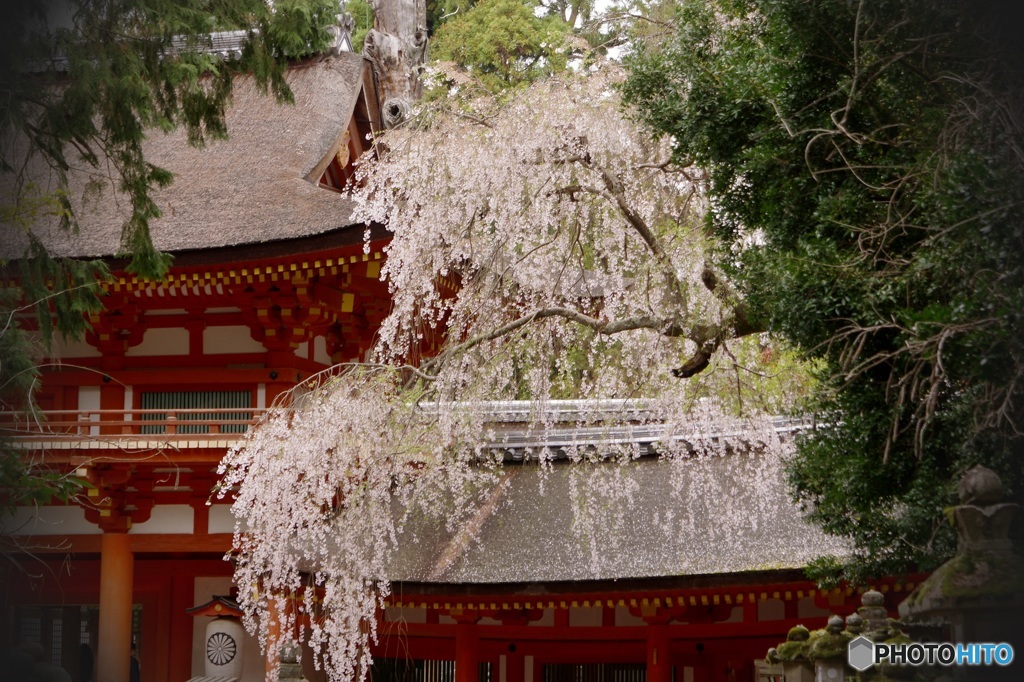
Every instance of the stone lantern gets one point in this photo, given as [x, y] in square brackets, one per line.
[817, 656]
[792, 654]
[978, 595]
[291, 669]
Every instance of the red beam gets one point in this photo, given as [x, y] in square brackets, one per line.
[143, 543]
[638, 633]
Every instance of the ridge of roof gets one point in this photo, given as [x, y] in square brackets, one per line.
[226, 44]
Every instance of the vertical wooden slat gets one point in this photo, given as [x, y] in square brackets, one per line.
[198, 400]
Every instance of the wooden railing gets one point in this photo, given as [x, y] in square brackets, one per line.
[195, 423]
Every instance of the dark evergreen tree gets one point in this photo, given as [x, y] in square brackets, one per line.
[866, 171]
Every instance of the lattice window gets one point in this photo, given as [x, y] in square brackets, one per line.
[595, 672]
[30, 625]
[408, 670]
[192, 400]
[56, 636]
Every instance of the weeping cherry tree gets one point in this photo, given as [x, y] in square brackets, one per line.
[544, 248]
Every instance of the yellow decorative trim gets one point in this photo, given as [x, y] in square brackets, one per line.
[184, 283]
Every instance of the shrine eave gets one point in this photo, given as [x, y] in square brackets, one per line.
[342, 237]
[705, 581]
[732, 589]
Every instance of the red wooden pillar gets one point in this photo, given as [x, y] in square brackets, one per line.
[659, 656]
[515, 667]
[702, 673]
[789, 608]
[152, 641]
[180, 635]
[115, 629]
[467, 641]
[273, 638]
[111, 398]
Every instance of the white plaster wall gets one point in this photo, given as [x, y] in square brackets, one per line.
[303, 351]
[547, 619]
[806, 608]
[624, 618]
[166, 518]
[253, 663]
[158, 342]
[64, 349]
[402, 614]
[320, 351]
[129, 402]
[735, 615]
[771, 609]
[89, 399]
[580, 616]
[232, 339]
[221, 519]
[49, 520]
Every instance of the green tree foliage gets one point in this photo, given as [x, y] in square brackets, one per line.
[80, 82]
[503, 42]
[866, 168]
[52, 294]
[362, 18]
[571, 12]
[440, 11]
[506, 43]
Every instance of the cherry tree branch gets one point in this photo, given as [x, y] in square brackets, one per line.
[607, 327]
[614, 191]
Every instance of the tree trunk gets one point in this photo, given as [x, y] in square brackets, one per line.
[397, 47]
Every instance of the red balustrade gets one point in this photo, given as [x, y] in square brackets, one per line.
[193, 423]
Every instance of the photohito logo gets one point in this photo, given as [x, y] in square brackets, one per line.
[862, 653]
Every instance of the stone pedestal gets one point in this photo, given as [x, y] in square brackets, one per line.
[798, 671]
[291, 669]
[829, 671]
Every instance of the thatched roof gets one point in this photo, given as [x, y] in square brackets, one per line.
[709, 516]
[248, 189]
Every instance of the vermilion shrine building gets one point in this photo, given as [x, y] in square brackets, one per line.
[271, 283]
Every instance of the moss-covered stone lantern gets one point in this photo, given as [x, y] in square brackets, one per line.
[978, 595]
